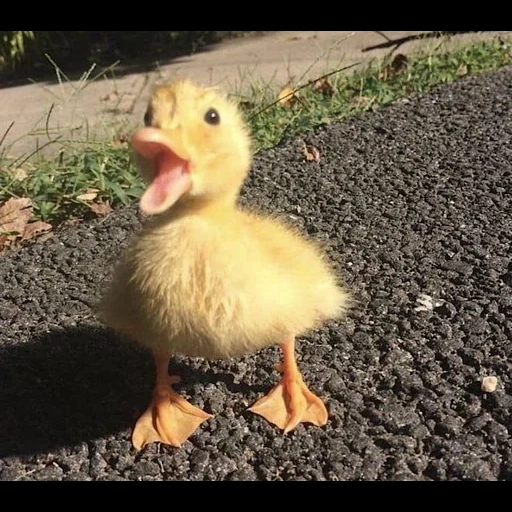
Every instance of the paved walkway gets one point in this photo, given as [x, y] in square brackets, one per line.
[82, 109]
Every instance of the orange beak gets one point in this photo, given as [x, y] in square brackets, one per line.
[171, 179]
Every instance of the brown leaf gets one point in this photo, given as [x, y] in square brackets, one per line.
[100, 208]
[287, 97]
[310, 152]
[14, 215]
[34, 228]
[323, 86]
[399, 63]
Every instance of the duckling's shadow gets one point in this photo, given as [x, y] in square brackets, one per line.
[75, 385]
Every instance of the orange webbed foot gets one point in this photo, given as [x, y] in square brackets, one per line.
[291, 402]
[169, 419]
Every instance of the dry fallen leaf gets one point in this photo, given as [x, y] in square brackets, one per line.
[100, 208]
[34, 228]
[15, 215]
[287, 97]
[399, 63]
[323, 86]
[310, 152]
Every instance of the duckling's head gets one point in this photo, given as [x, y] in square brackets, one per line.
[195, 147]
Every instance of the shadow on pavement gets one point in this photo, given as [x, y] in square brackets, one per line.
[76, 385]
[69, 386]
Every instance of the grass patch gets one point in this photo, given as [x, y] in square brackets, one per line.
[370, 88]
[55, 185]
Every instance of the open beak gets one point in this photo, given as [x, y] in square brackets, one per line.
[170, 162]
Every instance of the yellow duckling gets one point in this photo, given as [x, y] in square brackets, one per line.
[206, 278]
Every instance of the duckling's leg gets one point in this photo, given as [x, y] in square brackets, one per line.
[291, 402]
[169, 419]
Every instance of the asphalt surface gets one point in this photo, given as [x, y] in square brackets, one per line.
[413, 200]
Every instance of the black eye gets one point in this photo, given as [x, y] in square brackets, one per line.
[147, 118]
[212, 117]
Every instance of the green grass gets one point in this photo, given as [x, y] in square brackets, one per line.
[54, 184]
[366, 89]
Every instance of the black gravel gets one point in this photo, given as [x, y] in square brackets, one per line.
[413, 200]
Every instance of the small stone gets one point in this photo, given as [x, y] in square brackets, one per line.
[427, 303]
[489, 384]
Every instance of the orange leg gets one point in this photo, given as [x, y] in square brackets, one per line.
[291, 402]
[169, 419]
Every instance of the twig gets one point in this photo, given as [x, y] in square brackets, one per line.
[383, 35]
[416, 37]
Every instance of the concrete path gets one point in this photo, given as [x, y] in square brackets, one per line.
[95, 108]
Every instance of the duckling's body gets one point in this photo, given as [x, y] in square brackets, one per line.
[206, 278]
[220, 284]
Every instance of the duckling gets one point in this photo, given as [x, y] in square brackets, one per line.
[207, 278]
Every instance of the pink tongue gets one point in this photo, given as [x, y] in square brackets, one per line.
[170, 183]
